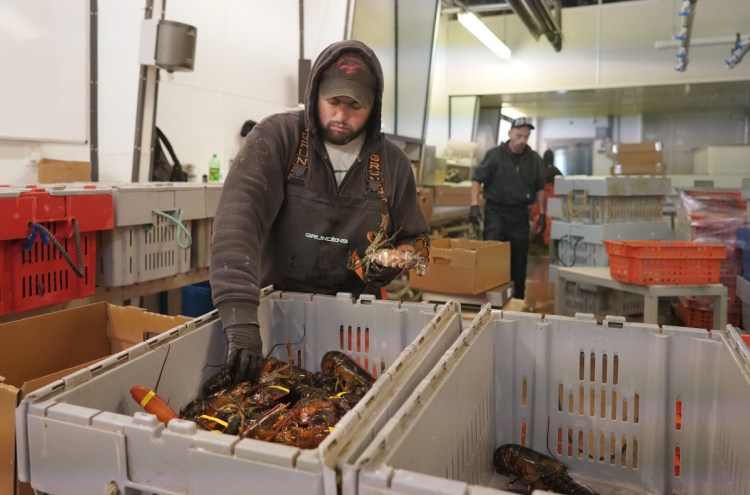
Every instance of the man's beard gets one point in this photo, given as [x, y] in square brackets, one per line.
[339, 138]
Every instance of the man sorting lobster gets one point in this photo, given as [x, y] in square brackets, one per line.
[318, 201]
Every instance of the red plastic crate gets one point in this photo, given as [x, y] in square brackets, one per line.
[665, 262]
[34, 272]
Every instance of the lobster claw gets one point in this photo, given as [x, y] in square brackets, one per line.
[355, 263]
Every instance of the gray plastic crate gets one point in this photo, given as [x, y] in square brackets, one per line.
[146, 244]
[599, 301]
[576, 244]
[84, 434]
[613, 402]
[203, 229]
[139, 253]
[202, 233]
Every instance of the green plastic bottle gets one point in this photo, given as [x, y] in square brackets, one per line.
[214, 169]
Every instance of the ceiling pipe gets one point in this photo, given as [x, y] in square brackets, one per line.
[712, 40]
[539, 20]
[687, 14]
[739, 51]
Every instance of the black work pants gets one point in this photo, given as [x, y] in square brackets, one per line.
[510, 223]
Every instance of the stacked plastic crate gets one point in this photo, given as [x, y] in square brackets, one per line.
[152, 236]
[48, 243]
[592, 209]
[713, 216]
[90, 419]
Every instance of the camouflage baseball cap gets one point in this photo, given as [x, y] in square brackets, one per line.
[349, 76]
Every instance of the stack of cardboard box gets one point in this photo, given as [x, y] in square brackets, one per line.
[638, 159]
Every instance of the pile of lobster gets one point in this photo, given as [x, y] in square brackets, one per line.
[286, 404]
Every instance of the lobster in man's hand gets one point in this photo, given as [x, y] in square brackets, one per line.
[382, 253]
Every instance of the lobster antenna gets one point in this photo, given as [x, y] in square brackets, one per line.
[304, 332]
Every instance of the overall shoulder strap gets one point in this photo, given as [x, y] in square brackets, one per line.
[299, 167]
[374, 178]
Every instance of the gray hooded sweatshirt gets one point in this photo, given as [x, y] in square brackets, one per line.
[253, 194]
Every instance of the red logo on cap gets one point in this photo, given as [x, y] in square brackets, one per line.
[350, 65]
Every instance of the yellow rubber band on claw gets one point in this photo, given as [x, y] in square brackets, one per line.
[279, 387]
[215, 420]
[150, 395]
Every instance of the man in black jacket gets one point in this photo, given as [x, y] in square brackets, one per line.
[511, 178]
[302, 194]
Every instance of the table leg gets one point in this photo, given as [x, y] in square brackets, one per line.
[559, 287]
[720, 312]
[651, 309]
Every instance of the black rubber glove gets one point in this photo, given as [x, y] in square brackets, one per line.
[384, 275]
[244, 358]
[541, 224]
[475, 215]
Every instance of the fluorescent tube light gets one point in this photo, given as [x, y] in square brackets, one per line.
[479, 29]
[511, 113]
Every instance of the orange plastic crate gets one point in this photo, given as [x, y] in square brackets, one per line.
[696, 316]
[665, 262]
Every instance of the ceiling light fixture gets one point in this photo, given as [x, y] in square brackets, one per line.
[480, 30]
[511, 112]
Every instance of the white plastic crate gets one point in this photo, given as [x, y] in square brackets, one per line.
[152, 237]
[628, 396]
[579, 207]
[604, 199]
[84, 433]
[605, 185]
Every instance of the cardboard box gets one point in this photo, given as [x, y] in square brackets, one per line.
[426, 198]
[39, 350]
[646, 153]
[56, 171]
[464, 266]
[721, 160]
[452, 195]
[651, 169]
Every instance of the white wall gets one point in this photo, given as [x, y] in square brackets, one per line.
[245, 68]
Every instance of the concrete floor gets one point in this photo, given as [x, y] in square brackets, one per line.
[540, 292]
